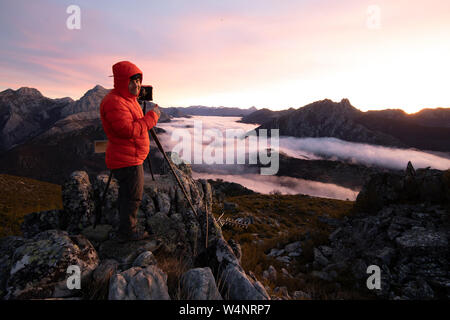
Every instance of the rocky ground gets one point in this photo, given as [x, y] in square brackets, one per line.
[399, 223]
[35, 266]
[402, 225]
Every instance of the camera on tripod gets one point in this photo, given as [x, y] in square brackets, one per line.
[146, 93]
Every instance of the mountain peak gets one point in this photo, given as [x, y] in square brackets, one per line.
[97, 88]
[345, 102]
[26, 91]
[327, 105]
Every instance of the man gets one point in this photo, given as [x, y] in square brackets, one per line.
[127, 129]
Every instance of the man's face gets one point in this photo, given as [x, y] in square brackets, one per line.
[135, 85]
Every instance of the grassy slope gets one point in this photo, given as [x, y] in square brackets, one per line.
[297, 216]
[20, 196]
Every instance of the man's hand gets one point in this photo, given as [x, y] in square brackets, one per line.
[155, 108]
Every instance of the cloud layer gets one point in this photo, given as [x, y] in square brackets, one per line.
[285, 185]
[371, 155]
[302, 148]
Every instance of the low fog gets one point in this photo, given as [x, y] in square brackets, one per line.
[391, 158]
[285, 185]
[302, 148]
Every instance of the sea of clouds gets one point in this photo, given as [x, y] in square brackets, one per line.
[302, 148]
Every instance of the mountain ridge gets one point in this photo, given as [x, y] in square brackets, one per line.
[341, 120]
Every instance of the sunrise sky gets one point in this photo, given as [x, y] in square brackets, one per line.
[236, 53]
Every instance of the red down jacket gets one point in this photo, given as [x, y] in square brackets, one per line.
[124, 122]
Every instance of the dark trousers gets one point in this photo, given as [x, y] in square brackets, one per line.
[131, 187]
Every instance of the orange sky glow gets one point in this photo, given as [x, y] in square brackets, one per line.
[239, 53]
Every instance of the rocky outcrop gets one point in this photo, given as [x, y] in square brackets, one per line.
[127, 270]
[234, 283]
[423, 185]
[37, 267]
[402, 226]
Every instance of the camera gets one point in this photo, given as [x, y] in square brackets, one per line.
[146, 93]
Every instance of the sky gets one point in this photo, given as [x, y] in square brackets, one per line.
[236, 53]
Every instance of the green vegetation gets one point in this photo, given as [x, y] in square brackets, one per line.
[20, 196]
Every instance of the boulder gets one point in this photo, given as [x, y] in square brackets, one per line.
[170, 230]
[293, 247]
[275, 252]
[138, 283]
[234, 284]
[105, 269]
[319, 257]
[78, 202]
[38, 222]
[126, 253]
[199, 284]
[97, 235]
[145, 259]
[420, 240]
[7, 247]
[39, 266]
[283, 292]
[270, 274]
[110, 210]
[238, 286]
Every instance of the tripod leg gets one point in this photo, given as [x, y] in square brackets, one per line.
[150, 167]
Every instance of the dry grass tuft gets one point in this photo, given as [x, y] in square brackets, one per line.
[174, 267]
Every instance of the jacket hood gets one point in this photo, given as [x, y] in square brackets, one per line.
[122, 72]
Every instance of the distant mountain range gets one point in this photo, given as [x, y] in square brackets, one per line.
[216, 111]
[428, 129]
[25, 113]
[47, 139]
